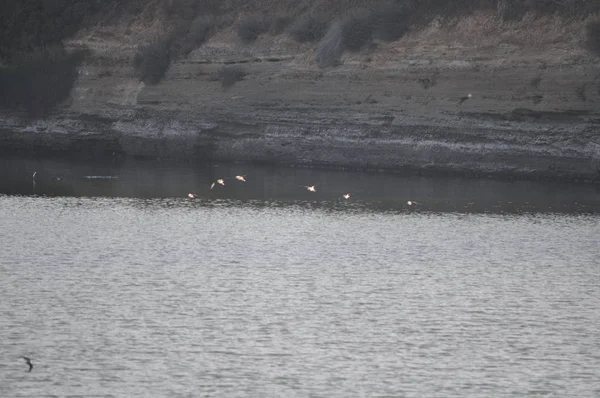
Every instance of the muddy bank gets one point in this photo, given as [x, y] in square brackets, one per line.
[533, 109]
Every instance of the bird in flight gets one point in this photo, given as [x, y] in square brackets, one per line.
[240, 178]
[192, 195]
[310, 188]
[28, 362]
[412, 202]
[346, 196]
[220, 181]
[463, 99]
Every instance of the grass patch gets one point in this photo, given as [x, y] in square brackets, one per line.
[592, 37]
[152, 61]
[229, 75]
[357, 29]
[509, 10]
[280, 23]
[390, 21]
[27, 25]
[250, 27]
[200, 30]
[37, 82]
[309, 27]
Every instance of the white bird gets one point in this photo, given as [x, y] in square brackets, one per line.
[412, 202]
[220, 181]
[346, 196]
[240, 178]
[310, 188]
[463, 99]
[192, 195]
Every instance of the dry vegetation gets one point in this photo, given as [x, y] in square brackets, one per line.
[39, 80]
[592, 37]
[334, 26]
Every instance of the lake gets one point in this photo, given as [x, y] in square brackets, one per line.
[123, 287]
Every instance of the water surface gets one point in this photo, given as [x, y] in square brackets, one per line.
[125, 288]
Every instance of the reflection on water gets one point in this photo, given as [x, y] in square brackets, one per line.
[167, 297]
[267, 183]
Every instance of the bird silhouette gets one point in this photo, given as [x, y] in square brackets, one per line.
[28, 362]
[310, 188]
[240, 178]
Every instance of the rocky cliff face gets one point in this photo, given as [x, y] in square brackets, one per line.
[533, 107]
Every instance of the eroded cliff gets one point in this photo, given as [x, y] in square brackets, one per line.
[472, 96]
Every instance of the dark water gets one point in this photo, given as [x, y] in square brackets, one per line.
[270, 183]
[262, 290]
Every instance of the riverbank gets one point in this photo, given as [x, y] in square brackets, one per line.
[533, 110]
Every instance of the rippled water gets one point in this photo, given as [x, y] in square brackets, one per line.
[268, 298]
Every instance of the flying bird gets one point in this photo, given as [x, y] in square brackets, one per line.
[310, 188]
[192, 195]
[28, 362]
[463, 99]
[219, 181]
[412, 202]
[240, 178]
[34, 174]
[346, 196]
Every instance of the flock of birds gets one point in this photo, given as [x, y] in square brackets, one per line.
[242, 178]
[310, 188]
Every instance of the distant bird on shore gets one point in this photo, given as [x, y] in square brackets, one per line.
[28, 362]
[240, 178]
[192, 195]
[463, 99]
